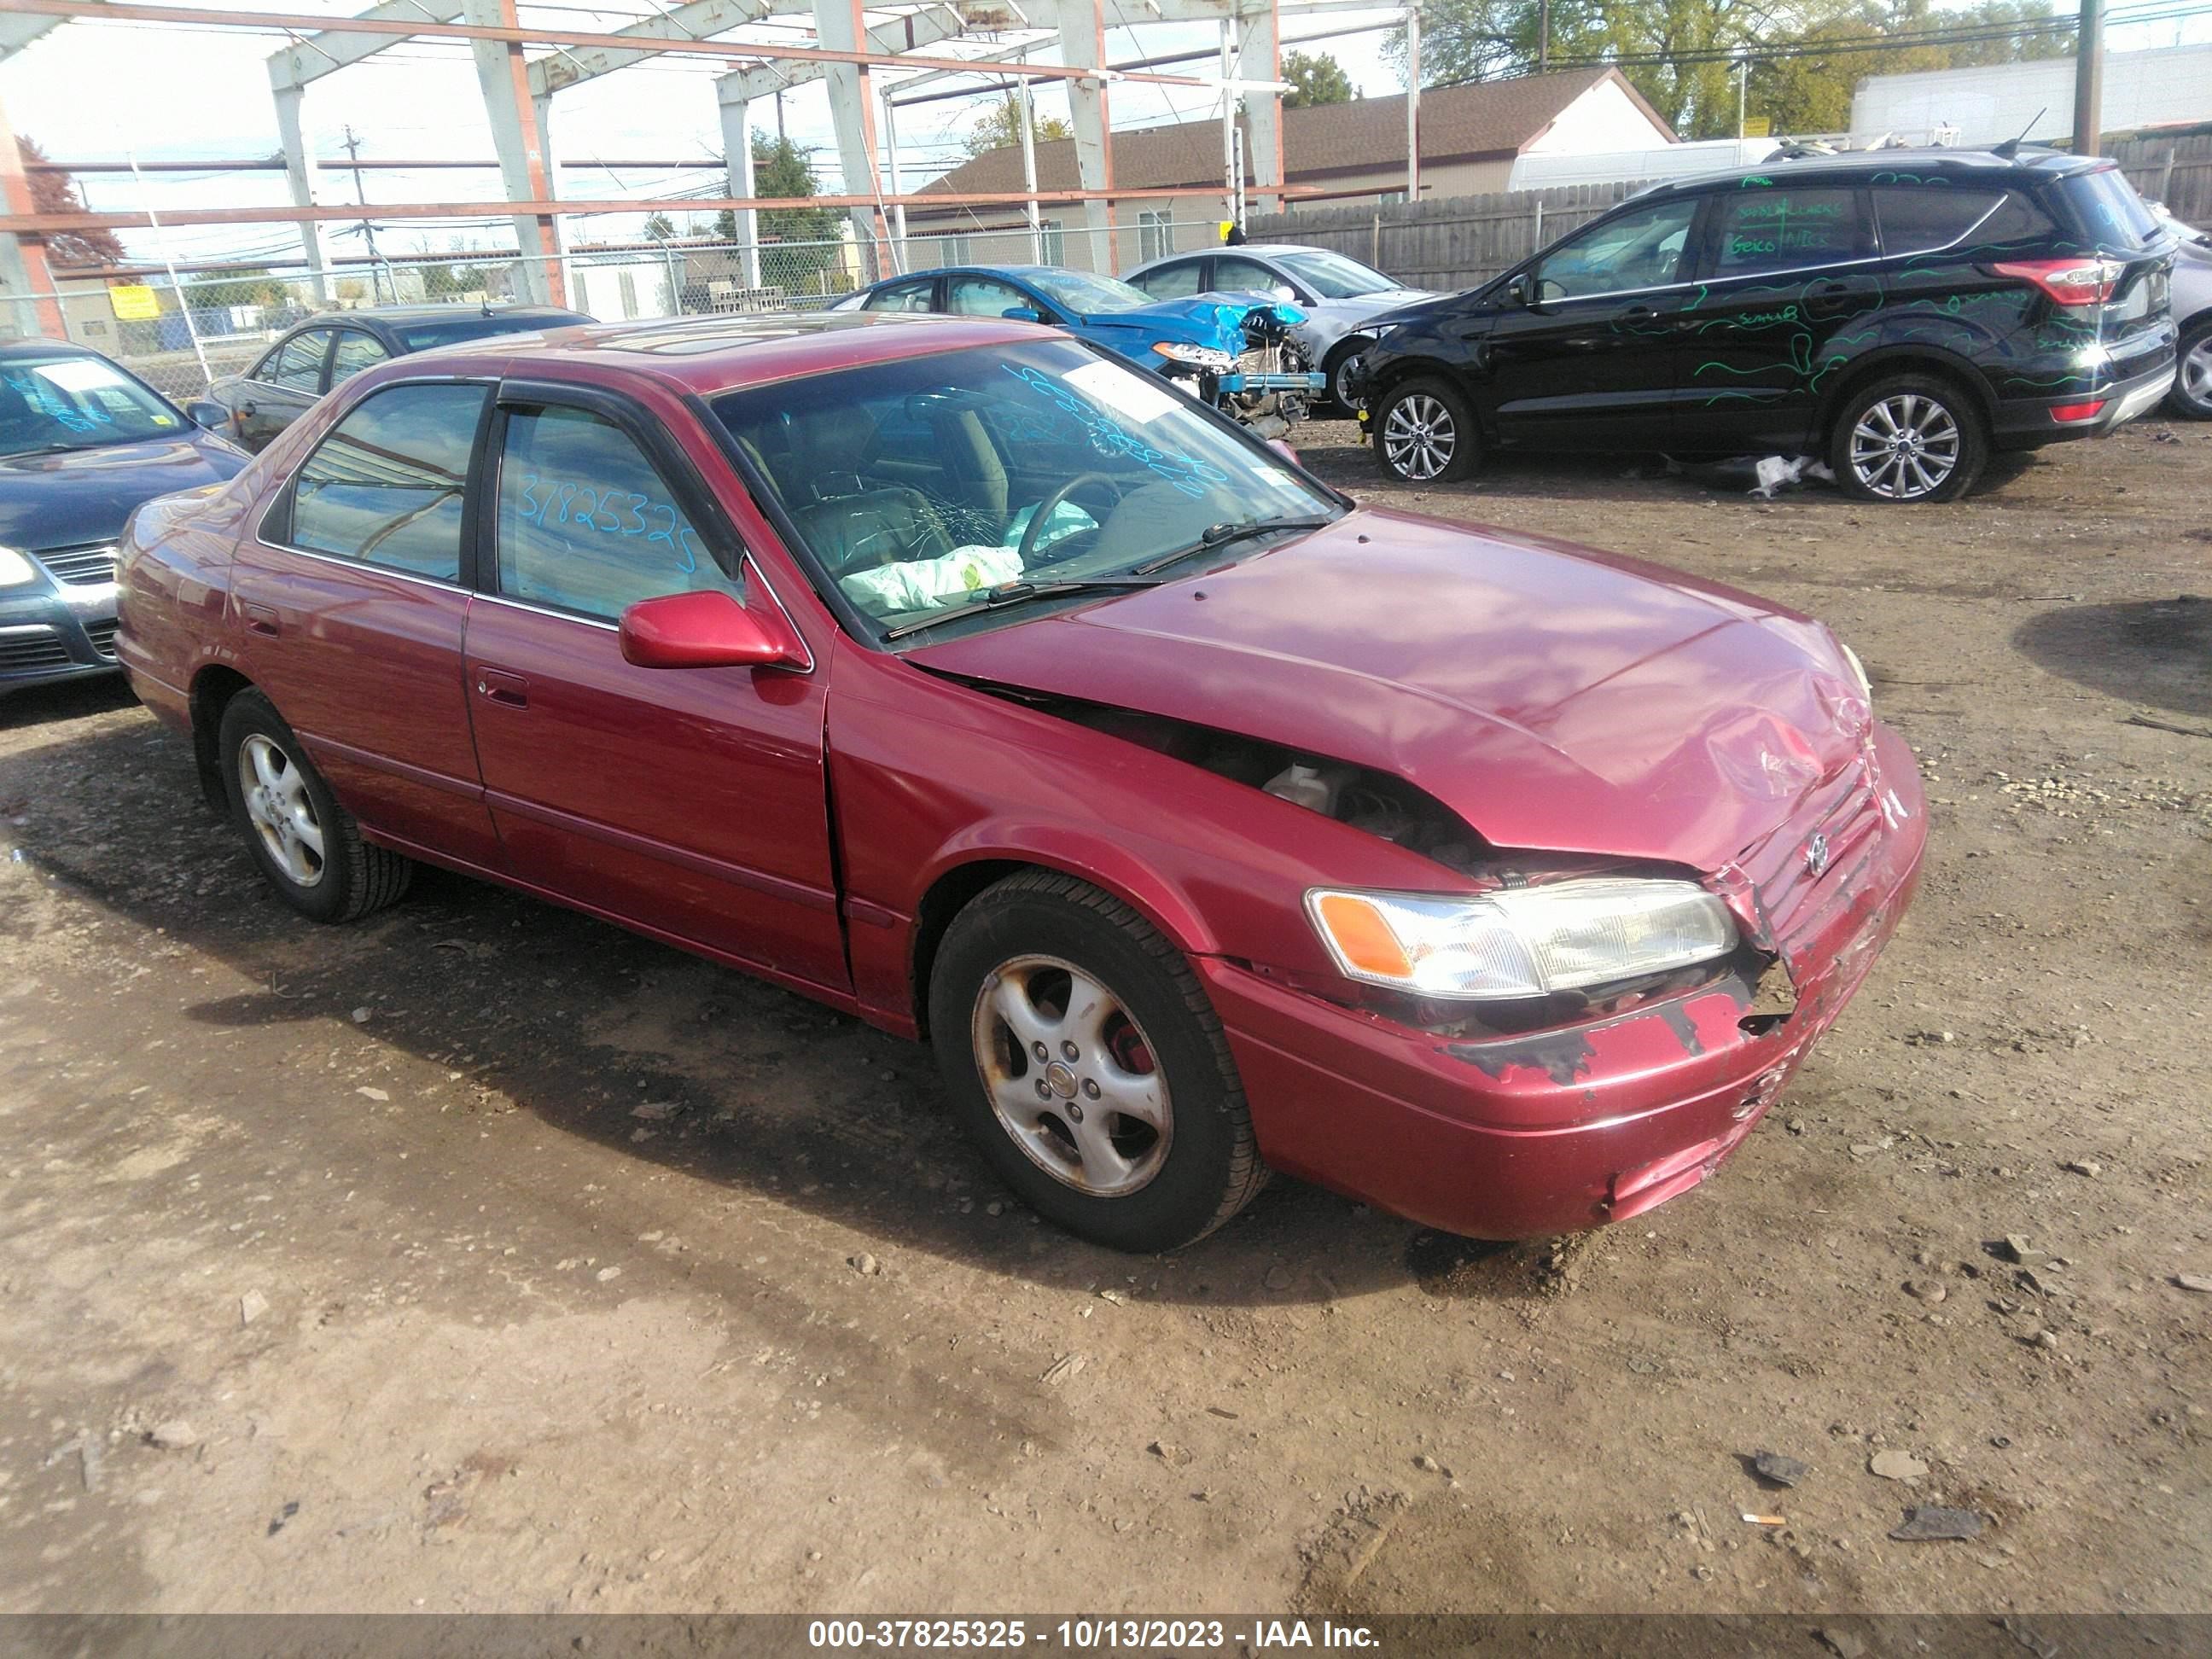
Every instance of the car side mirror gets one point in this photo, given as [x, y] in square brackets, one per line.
[1518, 289]
[705, 630]
[209, 415]
[1022, 314]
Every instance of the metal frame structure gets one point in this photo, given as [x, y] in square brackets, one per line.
[518, 93]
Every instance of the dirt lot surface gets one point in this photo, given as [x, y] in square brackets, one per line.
[483, 1256]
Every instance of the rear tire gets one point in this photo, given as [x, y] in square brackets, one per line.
[1425, 433]
[308, 847]
[1907, 439]
[2192, 397]
[1081, 1055]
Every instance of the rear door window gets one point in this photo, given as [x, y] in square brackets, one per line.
[385, 487]
[585, 523]
[356, 351]
[1175, 281]
[1921, 218]
[984, 296]
[1764, 230]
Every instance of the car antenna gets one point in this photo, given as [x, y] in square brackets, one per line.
[2010, 147]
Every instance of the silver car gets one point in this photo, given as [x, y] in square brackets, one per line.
[2192, 397]
[1340, 296]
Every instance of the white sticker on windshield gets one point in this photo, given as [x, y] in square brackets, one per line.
[78, 374]
[1122, 392]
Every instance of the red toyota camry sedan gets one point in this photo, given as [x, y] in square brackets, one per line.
[964, 678]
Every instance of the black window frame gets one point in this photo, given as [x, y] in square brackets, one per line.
[725, 545]
[275, 527]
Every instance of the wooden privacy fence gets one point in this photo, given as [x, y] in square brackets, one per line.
[1457, 241]
[2175, 171]
[1452, 243]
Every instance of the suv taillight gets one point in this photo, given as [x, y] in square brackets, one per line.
[2070, 282]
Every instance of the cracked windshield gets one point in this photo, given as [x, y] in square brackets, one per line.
[934, 488]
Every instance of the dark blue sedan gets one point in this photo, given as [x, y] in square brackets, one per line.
[83, 443]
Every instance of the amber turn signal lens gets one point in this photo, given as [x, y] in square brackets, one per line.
[1362, 936]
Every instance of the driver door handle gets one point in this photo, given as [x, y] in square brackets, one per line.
[499, 686]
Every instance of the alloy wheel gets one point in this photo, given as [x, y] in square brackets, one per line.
[1419, 436]
[2194, 378]
[1071, 1077]
[282, 811]
[1904, 446]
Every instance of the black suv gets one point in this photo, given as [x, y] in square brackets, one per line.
[1898, 314]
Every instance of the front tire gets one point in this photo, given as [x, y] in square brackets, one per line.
[1906, 440]
[308, 847]
[1080, 1054]
[2192, 397]
[1425, 433]
[1341, 358]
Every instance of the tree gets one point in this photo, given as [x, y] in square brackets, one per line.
[56, 192]
[784, 168]
[246, 285]
[1316, 78]
[1677, 51]
[659, 228]
[999, 127]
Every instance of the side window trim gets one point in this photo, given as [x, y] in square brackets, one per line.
[725, 545]
[275, 527]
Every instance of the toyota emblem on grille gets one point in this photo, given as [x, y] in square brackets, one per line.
[1816, 853]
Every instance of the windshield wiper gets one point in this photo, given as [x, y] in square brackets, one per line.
[1220, 535]
[1022, 593]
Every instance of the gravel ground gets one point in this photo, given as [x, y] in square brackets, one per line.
[483, 1256]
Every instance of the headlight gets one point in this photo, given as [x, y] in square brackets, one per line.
[1523, 941]
[1197, 356]
[15, 569]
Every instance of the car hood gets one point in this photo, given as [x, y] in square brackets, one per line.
[1361, 307]
[74, 496]
[1197, 319]
[1554, 697]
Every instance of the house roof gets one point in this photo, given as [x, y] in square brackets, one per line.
[1488, 119]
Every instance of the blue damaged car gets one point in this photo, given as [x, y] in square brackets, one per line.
[83, 444]
[1234, 353]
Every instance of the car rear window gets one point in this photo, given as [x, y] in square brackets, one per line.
[2109, 208]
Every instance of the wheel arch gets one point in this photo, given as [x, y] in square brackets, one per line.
[956, 884]
[212, 689]
[1914, 359]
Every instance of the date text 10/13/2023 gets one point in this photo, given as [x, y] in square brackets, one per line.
[1091, 1635]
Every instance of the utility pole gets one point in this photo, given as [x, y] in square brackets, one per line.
[1743, 83]
[368, 227]
[2090, 80]
[1413, 101]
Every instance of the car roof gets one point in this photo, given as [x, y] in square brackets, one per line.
[38, 346]
[1930, 162]
[428, 314]
[707, 355]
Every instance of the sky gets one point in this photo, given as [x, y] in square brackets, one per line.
[184, 94]
[204, 94]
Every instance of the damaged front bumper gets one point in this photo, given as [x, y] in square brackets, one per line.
[1518, 1137]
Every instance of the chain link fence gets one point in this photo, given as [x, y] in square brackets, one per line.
[178, 337]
